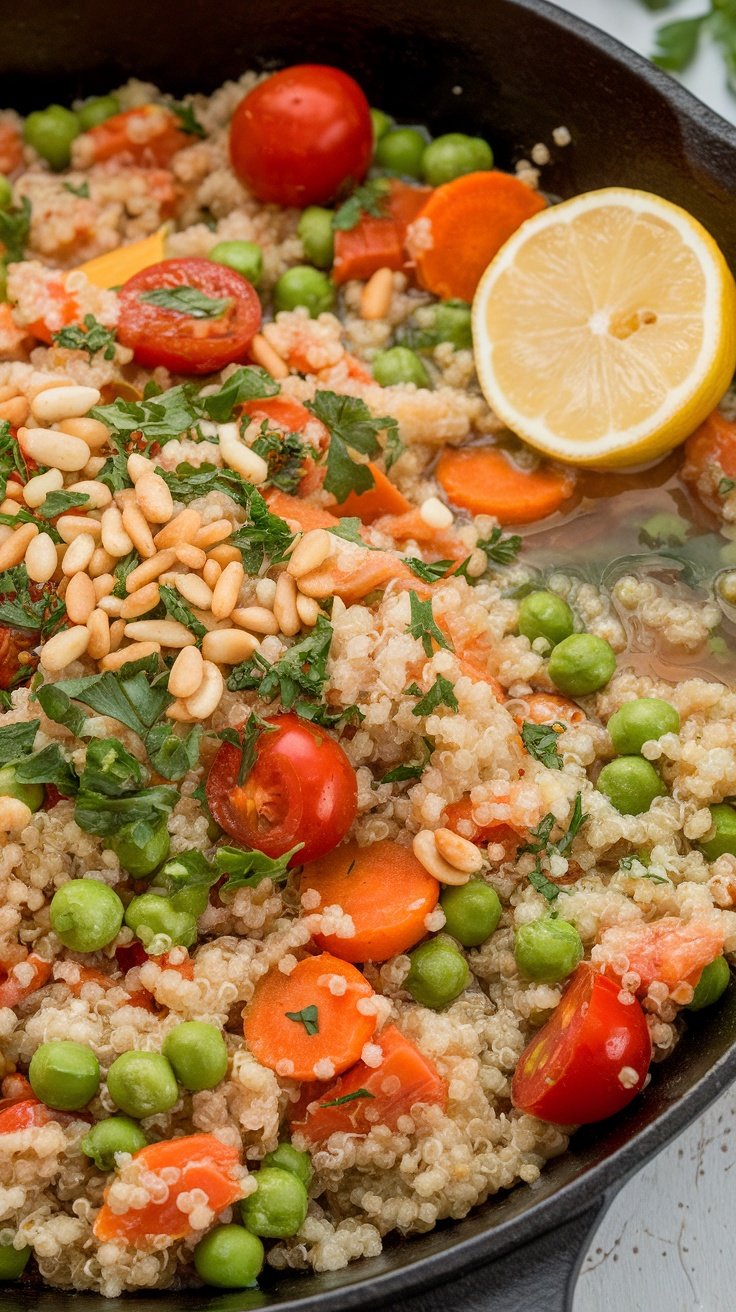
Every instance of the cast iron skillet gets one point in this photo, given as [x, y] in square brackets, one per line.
[512, 70]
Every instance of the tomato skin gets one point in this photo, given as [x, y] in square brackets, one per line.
[302, 789]
[13, 643]
[302, 136]
[176, 340]
[569, 1072]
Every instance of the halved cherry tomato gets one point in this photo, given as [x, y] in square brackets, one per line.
[589, 1060]
[303, 136]
[177, 339]
[14, 644]
[302, 789]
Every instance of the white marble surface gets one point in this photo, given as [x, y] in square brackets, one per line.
[667, 1243]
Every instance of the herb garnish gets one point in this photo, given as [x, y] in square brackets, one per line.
[187, 300]
[352, 428]
[543, 848]
[412, 770]
[95, 337]
[178, 609]
[370, 199]
[300, 672]
[348, 1097]
[82, 190]
[285, 455]
[15, 225]
[247, 869]
[423, 625]
[188, 121]
[499, 549]
[434, 570]
[441, 693]
[308, 1017]
[11, 460]
[20, 610]
[726, 486]
[540, 741]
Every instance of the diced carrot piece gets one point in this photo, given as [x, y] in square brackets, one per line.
[409, 524]
[460, 820]
[379, 243]
[352, 575]
[668, 950]
[304, 513]
[476, 670]
[286, 413]
[11, 147]
[356, 369]
[148, 134]
[66, 311]
[88, 975]
[384, 498]
[22, 1114]
[549, 708]
[485, 481]
[12, 991]
[710, 456]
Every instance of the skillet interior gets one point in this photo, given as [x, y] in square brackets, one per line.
[523, 68]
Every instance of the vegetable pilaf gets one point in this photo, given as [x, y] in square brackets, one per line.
[367, 777]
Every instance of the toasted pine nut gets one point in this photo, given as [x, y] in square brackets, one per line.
[435, 513]
[136, 526]
[192, 557]
[236, 455]
[180, 529]
[103, 584]
[7, 391]
[210, 534]
[187, 673]
[265, 592]
[307, 609]
[425, 850]
[111, 605]
[70, 527]
[135, 651]
[139, 465]
[5, 533]
[99, 495]
[154, 498]
[41, 558]
[93, 467]
[114, 537]
[63, 583]
[56, 403]
[13, 550]
[224, 554]
[91, 431]
[168, 633]
[211, 573]
[80, 598]
[457, 851]
[56, 449]
[14, 815]
[310, 552]
[284, 605]
[178, 711]
[15, 411]
[140, 602]
[255, 618]
[228, 646]
[78, 554]
[15, 491]
[149, 570]
[264, 354]
[99, 635]
[194, 589]
[9, 506]
[64, 648]
[117, 633]
[375, 298]
[226, 590]
[207, 697]
[101, 563]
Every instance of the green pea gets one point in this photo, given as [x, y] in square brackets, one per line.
[545, 615]
[582, 664]
[279, 1205]
[547, 950]
[472, 912]
[51, 132]
[141, 861]
[198, 1054]
[150, 915]
[245, 257]
[13, 1261]
[116, 1134]
[64, 1075]
[142, 1084]
[722, 841]
[399, 364]
[641, 721]
[382, 123]
[288, 1158]
[3, 280]
[714, 980]
[452, 323]
[229, 1257]
[317, 236]
[401, 150]
[31, 794]
[453, 155]
[630, 783]
[438, 973]
[96, 110]
[305, 286]
[665, 529]
[6, 192]
[86, 915]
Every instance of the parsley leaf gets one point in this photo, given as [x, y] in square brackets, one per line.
[499, 549]
[352, 428]
[60, 708]
[246, 741]
[123, 568]
[15, 225]
[264, 535]
[141, 813]
[188, 121]
[423, 626]
[248, 383]
[348, 1097]
[412, 770]
[247, 869]
[159, 418]
[441, 693]
[177, 609]
[111, 769]
[11, 460]
[370, 198]
[436, 569]
[726, 486]
[576, 821]
[677, 43]
[285, 454]
[349, 530]
[543, 847]
[82, 190]
[49, 766]
[544, 885]
[58, 503]
[308, 1017]
[187, 300]
[540, 741]
[17, 740]
[17, 607]
[301, 670]
[170, 754]
[96, 337]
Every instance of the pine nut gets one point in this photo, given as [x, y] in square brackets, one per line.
[93, 467]
[255, 618]
[56, 403]
[236, 455]
[310, 552]
[78, 554]
[5, 533]
[228, 646]
[15, 411]
[207, 697]
[375, 298]
[265, 592]
[178, 711]
[457, 851]
[99, 495]
[149, 570]
[64, 648]
[192, 557]
[80, 599]
[264, 354]
[435, 513]
[13, 550]
[101, 563]
[70, 527]
[187, 673]
[140, 602]
[224, 554]
[307, 608]
[117, 633]
[60, 451]
[41, 559]
[136, 526]
[210, 534]
[227, 589]
[211, 573]
[135, 651]
[14, 815]
[111, 605]
[37, 489]
[284, 605]
[91, 431]
[14, 491]
[9, 506]
[63, 583]
[154, 498]
[98, 626]
[425, 851]
[194, 589]
[180, 529]
[103, 584]
[139, 465]
[168, 633]
[114, 537]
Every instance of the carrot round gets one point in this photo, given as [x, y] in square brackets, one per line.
[383, 888]
[203, 1163]
[297, 1018]
[484, 480]
[384, 498]
[463, 225]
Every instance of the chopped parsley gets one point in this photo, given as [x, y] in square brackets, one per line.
[370, 199]
[300, 673]
[352, 428]
[188, 121]
[543, 885]
[423, 626]
[187, 300]
[726, 486]
[285, 454]
[540, 741]
[247, 869]
[441, 693]
[308, 1017]
[412, 770]
[349, 530]
[21, 610]
[499, 549]
[15, 225]
[81, 190]
[177, 609]
[58, 503]
[246, 741]
[249, 383]
[436, 569]
[17, 740]
[263, 535]
[93, 337]
[348, 1097]
[11, 460]
[542, 846]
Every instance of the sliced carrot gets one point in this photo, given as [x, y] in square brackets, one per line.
[203, 1163]
[669, 950]
[377, 1095]
[88, 975]
[286, 413]
[384, 498]
[710, 456]
[12, 991]
[149, 134]
[379, 242]
[296, 1018]
[548, 708]
[383, 888]
[304, 513]
[463, 225]
[460, 820]
[484, 480]
[356, 369]
[65, 311]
